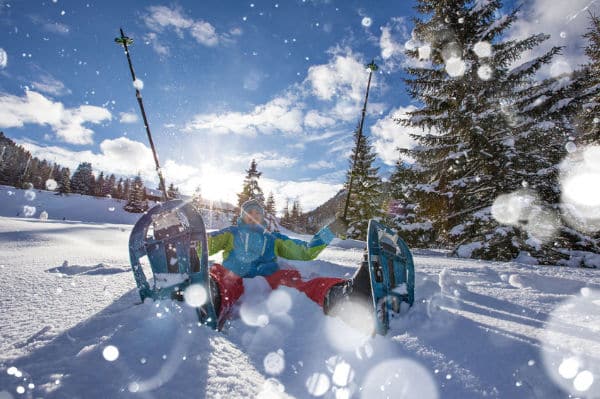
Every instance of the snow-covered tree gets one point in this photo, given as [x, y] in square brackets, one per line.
[463, 76]
[366, 195]
[136, 202]
[99, 186]
[83, 181]
[64, 181]
[270, 214]
[589, 79]
[402, 208]
[251, 189]
[172, 191]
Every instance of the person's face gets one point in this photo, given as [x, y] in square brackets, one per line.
[253, 216]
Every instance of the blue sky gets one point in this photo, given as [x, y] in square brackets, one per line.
[223, 82]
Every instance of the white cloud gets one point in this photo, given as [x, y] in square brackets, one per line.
[343, 76]
[314, 119]
[279, 114]
[67, 123]
[321, 165]
[3, 58]
[265, 160]
[48, 84]
[121, 156]
[151, 38]
[57, 27]
[393, 43]
[388, 135]
[128, 117]
[160, 18]
[565, 21]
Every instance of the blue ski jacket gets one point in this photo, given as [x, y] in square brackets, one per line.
[250, 250]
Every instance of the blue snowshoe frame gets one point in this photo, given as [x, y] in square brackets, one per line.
[390, 265]
[182, 243]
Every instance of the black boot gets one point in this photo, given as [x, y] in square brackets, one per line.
[355, 290]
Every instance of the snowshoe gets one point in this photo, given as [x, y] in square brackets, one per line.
[170, 235]
[392, 273]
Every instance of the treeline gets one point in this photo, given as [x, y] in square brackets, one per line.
[18, 168]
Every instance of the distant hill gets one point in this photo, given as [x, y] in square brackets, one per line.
[324, 213]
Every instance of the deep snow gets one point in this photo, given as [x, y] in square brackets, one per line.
[478, 329]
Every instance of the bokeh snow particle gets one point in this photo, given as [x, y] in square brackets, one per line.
[274, 362]
[399, 378]
[569, 344]
[318, 384]
[513, 208]
[28, 211]
[484, 72]
[345, 335]
[20, 390]
[343, 374]
[110, 353]
[279, 302]
[271, 389]
[424, 52]
[195, 295]
[560, 67]
[44, 215]
[366, 22]
[580, 192]
[455, 67]
[51, 184]
[138, 84]
[482, 49]
[29, 195]
[571, 147]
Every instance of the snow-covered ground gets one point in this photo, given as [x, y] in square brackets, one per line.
[71, 327]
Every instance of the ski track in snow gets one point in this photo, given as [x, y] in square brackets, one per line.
[477, 329]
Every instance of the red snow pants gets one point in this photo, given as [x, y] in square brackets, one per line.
[231, 286]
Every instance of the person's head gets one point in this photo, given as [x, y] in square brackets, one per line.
[252, 212]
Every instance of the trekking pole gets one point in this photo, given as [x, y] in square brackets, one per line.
[125, 42]
[372, 67]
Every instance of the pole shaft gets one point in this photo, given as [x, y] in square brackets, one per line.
[360, 134]
[138, 95]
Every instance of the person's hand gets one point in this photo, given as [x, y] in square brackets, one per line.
[339, 227]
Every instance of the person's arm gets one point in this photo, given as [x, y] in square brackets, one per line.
[221, 240]
[293, 249]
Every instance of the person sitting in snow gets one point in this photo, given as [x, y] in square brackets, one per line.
[249, 250]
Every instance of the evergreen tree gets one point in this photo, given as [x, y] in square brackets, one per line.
[99, 186]
[251, 189]
[465, 157]
[589, 80]
[270, 213]
[172, 191]
[109, 186]
[366, 195]
[136, 202]
[403, 208]
[118, 193]
[285, 219]
[64, 183]
[126, 188]
[83, 181]
[197, 199]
